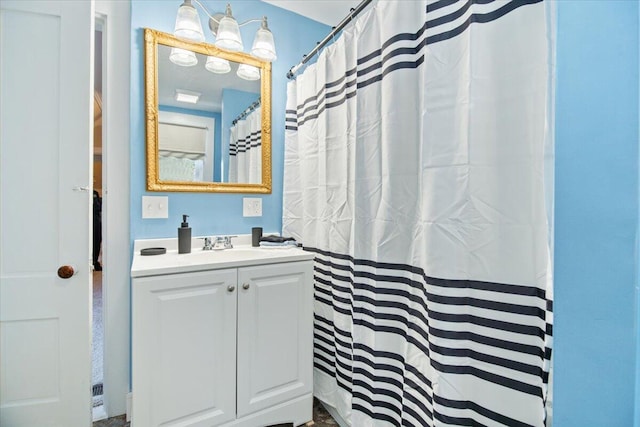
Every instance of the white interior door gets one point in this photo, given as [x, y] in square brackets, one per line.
[46, 91]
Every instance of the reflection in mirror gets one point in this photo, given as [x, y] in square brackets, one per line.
[245, 148]
[185, 146]
[207, 119]
[195, 92]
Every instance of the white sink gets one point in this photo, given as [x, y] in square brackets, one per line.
[235, 254]
[199, 260]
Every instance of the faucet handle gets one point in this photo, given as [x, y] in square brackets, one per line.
[207, 244]
[227, 242]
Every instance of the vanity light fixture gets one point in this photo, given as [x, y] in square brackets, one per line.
[226, 30]
[187, 27]
[187, 96]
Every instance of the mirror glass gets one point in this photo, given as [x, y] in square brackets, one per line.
[209, 122]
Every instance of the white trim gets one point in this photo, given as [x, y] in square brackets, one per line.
[115, 17]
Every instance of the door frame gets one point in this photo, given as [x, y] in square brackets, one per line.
[116, 35]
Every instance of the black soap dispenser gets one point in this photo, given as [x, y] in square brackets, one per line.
[184, 236]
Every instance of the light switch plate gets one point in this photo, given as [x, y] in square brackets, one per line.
[155, 207]
[251, 206]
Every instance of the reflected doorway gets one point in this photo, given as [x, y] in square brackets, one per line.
[97, 362]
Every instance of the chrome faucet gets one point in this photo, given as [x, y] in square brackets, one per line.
[208, 246]
[218, 243]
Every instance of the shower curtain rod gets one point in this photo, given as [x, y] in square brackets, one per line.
[305, 58]
[246, 112]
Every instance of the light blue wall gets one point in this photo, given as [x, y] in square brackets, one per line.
[217, 134]
[596, 259]
[597, 344]
[637, 254]
[212, 214]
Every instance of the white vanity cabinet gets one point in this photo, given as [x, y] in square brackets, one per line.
[223, 347]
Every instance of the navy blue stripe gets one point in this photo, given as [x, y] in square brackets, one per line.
[359, 385]
[424, 393]
[378, 367]
[493, 342]
[376, 404]
[457, 421]
[415, 372]
[323, 339]
[453, 15]
[324, 369]
[419, 344]
[441, 282]
[444, 351]
[465, 404]
[480, 19]
[419, 402]
[494, 360]
[474, 18]
[445, 300]
[488, 376]
[461, 335]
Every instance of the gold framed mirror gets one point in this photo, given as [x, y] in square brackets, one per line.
[222, 142]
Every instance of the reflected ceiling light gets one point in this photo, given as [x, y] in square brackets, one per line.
[248, 72]
[226, 30]
[187, 96]
[217, 65]
[182, 57]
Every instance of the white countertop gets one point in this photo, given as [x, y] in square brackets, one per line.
[242, 255]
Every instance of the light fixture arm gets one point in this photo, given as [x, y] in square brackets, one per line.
[204, 10]
[214, 20]
[250, 21]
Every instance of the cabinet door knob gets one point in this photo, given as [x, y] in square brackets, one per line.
[246, 286]
[231, 288]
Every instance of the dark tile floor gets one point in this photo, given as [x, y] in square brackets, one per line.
[321, 418]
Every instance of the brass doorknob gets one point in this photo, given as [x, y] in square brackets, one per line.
[66, 271]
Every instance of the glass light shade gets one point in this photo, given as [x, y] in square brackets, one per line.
[248, 72]
[263, 44]
[228, 35]
[182, 57]
[217, 65]
[188, 24]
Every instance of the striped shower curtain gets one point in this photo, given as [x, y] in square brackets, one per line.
[245, 149]
[417, 169]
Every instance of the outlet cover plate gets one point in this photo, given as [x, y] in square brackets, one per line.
[251, 206]
[155, 207]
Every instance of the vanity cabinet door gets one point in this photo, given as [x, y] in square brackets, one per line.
[275, 334]
[184, 349]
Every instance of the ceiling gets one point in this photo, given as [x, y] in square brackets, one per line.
[329, 12]
[197, 79]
